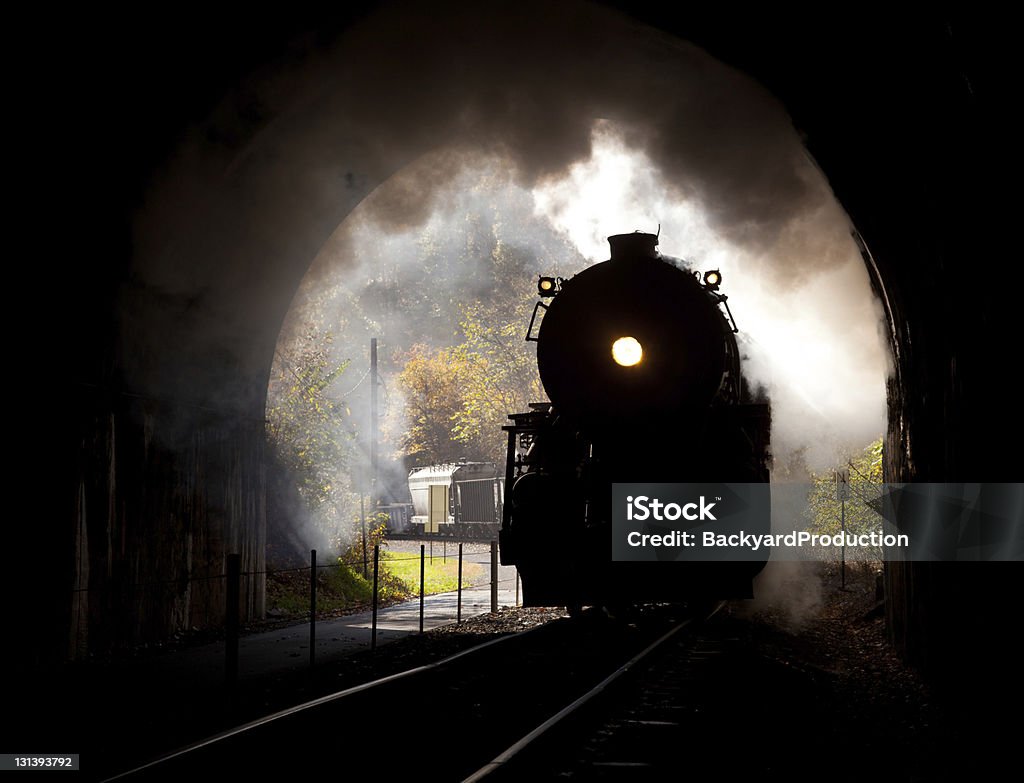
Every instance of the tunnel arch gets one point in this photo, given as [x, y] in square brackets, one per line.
[875, 125]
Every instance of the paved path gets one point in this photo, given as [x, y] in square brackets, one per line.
[158, 700]
[285, 649]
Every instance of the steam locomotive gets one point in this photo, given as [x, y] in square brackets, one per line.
[638, 356]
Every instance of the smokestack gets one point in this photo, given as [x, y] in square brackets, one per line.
[625, 246]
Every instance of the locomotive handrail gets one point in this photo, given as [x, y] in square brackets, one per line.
[529, 329]
[724, 300]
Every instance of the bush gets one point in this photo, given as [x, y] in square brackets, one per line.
[341, 587]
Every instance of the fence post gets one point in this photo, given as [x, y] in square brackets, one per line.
[842, 525]
[458, 611]
[422, 563]
[312, 607]
[373, 621]
[494, 576]
[234, 577]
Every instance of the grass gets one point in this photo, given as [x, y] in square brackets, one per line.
[438, 577]
[342, 588]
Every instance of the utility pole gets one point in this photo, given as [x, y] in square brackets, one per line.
[373, 426]
[362, 523]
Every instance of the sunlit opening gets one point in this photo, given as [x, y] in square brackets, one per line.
[449, 301]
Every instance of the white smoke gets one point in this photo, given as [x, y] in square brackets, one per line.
[810, 326]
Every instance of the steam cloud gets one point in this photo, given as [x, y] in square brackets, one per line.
[526, 81]
[700, 148]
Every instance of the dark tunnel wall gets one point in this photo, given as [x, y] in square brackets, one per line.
[163, 460]
[901, 116]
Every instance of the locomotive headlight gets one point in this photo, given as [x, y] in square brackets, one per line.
[713, 279]
[627, 351]
[546, 286]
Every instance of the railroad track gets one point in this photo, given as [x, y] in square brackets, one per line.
[454, 719]
[705, 704]
[559, 747]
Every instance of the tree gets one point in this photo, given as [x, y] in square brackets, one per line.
[308, 429]
[449, 302]
[827, 514]
[500, 376]
[458, 398]
[432, 382]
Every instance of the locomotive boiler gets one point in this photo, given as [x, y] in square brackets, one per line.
[639, 359]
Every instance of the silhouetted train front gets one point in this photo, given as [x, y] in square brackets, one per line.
[639, 359]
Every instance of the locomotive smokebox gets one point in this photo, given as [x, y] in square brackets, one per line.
[637, 244]
[633, 343]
